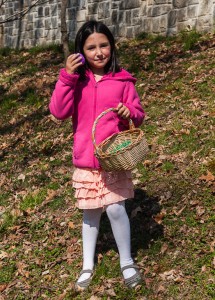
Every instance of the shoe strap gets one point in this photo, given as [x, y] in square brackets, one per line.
[86, 271]
[132, 266]
[133, 280]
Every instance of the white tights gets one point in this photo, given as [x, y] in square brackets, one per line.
[121, 230]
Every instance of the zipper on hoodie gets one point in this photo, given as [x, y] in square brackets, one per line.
[94, 116]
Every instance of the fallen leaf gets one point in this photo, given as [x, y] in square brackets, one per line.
[161, 289]
[213, 262]
[185, 131]
[203, 269]
[45, 272]
[110, 292]
[164, 248]
[2, 210]
[71, 225]
[21, 177]
[2, 287]
[159, 218]
[212, 246]
[174, 275]
[179, 212]
[194, 202]
[3, 254]
[94, 298]
[52, 118]
[147, 163]
[136, 181]
[100, 258]
[16, 212]
[21, 269]
[209, 177]
[200, 211]
[50, 195]
[13, 121]
[148, 282]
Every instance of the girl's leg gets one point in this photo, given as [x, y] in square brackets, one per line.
[121, 230]
[90, 229]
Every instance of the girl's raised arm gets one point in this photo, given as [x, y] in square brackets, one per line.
[62, 101]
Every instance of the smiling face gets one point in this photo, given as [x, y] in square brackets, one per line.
[97, 51]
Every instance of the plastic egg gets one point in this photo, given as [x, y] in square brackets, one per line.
[82, 58]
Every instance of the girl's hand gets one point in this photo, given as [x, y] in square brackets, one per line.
[73, 62]
[123, 111]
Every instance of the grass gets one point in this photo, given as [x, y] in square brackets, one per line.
[189, 39]
[172, 217]
[31, 201]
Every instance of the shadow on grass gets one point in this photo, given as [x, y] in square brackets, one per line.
[9, 128]
[36, 115]
[144, 228]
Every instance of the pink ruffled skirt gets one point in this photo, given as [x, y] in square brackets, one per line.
[97, 188]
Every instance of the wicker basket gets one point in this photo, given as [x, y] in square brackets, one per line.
[120, 151]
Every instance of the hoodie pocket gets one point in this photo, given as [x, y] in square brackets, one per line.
[81, 147]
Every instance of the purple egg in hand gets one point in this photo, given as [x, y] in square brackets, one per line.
[82, 58]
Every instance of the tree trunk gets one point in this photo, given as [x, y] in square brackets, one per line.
[64, 33]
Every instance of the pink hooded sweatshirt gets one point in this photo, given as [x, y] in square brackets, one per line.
[85, 100]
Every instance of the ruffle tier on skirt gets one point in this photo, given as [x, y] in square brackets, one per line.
[97, 188]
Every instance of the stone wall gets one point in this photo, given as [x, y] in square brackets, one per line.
[125, 18]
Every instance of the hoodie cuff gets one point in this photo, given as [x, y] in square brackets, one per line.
[136, 117]
[68, 79]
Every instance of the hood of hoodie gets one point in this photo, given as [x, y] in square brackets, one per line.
[122, 75]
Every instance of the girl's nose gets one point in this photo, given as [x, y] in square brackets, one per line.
[99, 51]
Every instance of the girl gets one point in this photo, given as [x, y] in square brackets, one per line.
[87, 87]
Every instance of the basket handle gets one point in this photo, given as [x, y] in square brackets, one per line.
[131, 124]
